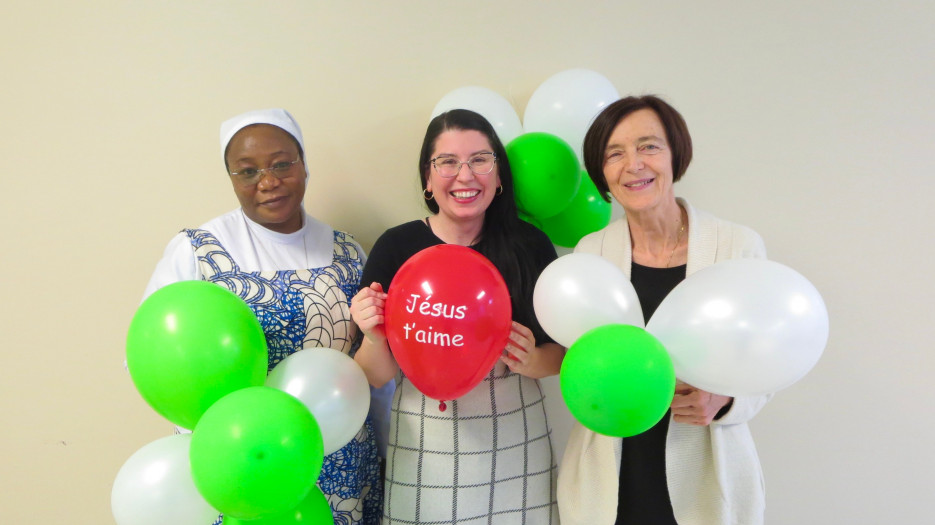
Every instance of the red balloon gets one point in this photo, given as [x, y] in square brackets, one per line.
[448, 319]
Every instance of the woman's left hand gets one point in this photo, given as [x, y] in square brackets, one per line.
[694, 406]
[522, 356]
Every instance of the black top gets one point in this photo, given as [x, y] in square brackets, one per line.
[643, 498]
[399, 243]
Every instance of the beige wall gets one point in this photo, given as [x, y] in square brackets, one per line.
[813, 123]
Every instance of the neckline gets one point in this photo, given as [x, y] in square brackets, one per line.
[428, 226]
[653, 268]
[257, 228]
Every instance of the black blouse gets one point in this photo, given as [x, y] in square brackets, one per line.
[643, 498]
[399, 243]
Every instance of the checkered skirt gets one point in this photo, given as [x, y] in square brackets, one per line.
[487, 459]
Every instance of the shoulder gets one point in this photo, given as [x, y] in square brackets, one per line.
[346, 245]
[532, 235]
[594, 242]
[406, 229]
[224, 223]
[399, 242]
[393, 248]
[177, 264]
[537, 243]
[404, 237]
[343, 237]
[732, 238]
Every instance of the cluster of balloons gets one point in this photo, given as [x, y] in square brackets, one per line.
[739, 327]
[552, 189]
[198, 356]
[447, 329]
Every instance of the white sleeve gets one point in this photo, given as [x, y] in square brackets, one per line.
[177, 264]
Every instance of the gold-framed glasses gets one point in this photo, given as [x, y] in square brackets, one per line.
[480, 164]
[250, 176]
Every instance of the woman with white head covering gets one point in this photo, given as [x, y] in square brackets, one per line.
[268, 242]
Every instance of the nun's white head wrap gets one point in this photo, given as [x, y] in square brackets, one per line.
[276, 117]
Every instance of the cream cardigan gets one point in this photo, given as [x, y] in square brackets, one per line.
[712, 472]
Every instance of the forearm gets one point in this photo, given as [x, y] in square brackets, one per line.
[375, 358]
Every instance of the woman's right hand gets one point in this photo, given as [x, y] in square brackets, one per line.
[367, 312]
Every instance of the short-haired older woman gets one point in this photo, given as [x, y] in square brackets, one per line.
[296, 273]
[699, 463]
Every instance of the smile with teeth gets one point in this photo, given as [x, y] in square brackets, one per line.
[464, 194]
[639, 183]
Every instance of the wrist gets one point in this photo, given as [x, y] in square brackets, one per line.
[724, 409]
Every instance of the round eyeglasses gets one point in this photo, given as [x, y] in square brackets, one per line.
[480, 164]
[250, 176]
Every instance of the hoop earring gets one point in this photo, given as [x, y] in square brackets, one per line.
[427, 195]
[500, 190]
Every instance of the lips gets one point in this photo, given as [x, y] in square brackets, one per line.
[638, 184]
[273, 201]
[464, 194]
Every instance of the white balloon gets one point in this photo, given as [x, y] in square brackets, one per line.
[566, 104]
[742, 327]
[155, 487]
[581, 291]
[333, 387]
[496, 109]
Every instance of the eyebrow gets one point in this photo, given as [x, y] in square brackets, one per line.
[470, 155]
[274, 154]
[639, 140]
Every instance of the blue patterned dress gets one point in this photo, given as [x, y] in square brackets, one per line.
[301, 309]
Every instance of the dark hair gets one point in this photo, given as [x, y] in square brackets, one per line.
[501, 239]
[595, 141]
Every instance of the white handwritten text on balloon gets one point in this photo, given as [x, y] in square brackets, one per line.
[428, 309]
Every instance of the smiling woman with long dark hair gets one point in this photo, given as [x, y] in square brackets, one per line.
[487, 459]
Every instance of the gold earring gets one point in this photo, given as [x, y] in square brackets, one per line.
[427, 195]
[500, 189]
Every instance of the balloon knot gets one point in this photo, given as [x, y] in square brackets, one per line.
[442, 406]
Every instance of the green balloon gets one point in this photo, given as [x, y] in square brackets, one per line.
[529, 218]
[314, 510]
[617, 380]
[257, 452]
[546, 173]
[588, 212]
[190, 344]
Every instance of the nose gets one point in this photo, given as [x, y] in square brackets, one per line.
[464, 168]
[633, 163]
[267, 180]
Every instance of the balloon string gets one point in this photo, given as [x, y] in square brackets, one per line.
[442, 406]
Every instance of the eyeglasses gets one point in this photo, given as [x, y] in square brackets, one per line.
[480, 164]
[250, 176]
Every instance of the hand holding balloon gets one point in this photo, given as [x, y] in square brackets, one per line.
[694, 406]
[447, 329]
[367, 311]
[522, 356]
